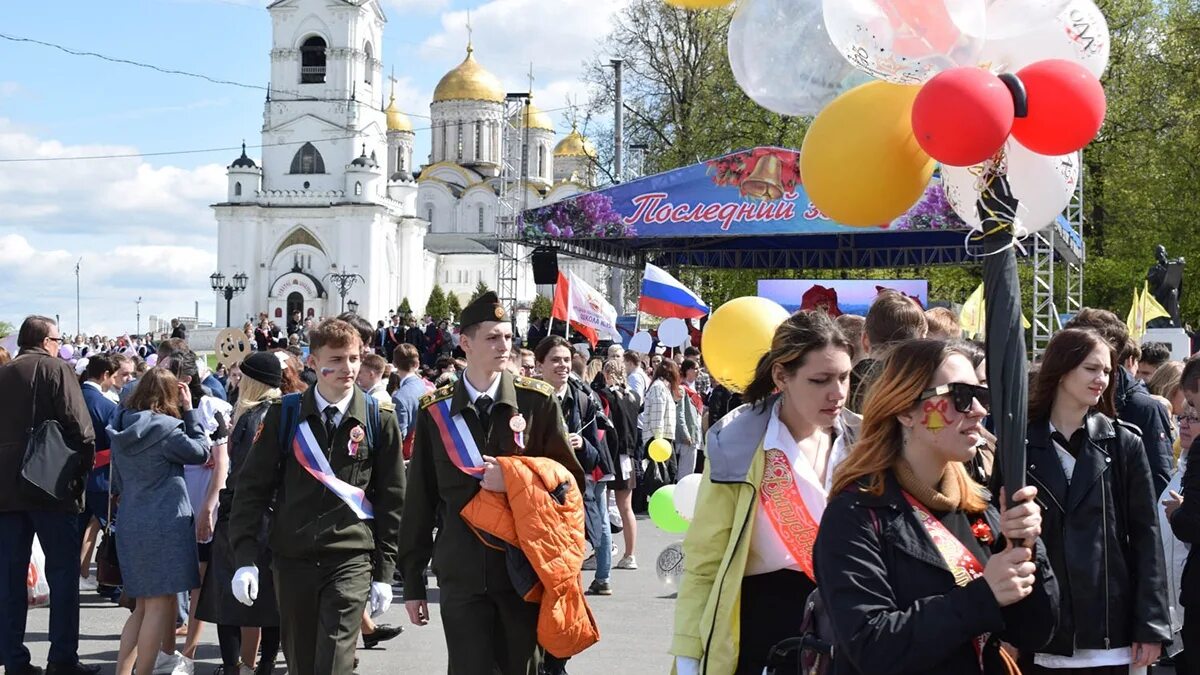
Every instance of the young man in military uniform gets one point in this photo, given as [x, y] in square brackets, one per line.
[330, 464]
[460, 430]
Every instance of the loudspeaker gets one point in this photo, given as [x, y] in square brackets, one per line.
[545, 265]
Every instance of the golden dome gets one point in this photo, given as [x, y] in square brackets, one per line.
[396, 120]
[575, 145]
[469, 82]
[536, 119]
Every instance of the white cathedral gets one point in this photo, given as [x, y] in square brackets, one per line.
[337, 191]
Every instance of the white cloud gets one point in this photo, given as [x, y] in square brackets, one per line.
[9, 88]
[556, 37]
[141, 229]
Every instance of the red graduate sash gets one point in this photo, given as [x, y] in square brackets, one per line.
[962, 563]
[784, 506]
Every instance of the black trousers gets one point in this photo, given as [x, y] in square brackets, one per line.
[1188, 661]
[59, 536]
[321, 603]
[489, 633]
[772, 611]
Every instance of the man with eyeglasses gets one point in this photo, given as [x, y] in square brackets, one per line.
[38, 386]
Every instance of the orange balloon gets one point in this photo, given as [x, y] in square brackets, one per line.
[860, 163]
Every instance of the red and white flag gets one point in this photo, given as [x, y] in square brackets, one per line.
[584, 308]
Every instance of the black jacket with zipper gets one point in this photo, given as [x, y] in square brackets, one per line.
[894, 604]
[1101, 531]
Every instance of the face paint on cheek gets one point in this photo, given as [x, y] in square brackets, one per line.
[935, 415]
[325, 372]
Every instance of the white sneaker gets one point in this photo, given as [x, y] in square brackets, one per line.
[88, 584]
[627, 563]
[173, 664]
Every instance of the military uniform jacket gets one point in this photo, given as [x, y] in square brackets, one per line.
[438, 490]
[309, 520]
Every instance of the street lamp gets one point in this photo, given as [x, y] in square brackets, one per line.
[353, 305]
[344, 282]
[139, 316]
[236, 286]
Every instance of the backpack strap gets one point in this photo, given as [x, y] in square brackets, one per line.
[289, 419]
[374, 420]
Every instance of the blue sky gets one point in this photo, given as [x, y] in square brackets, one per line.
[142, 225]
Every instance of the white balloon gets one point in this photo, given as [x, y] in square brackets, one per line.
[782, 58]
[907, 41]
[686, 492]
[1006, 18]
[1042, 184]
[673, 333]
[641, 342]
[1078, 33]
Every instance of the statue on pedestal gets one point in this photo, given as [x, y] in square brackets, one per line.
[1166, 284]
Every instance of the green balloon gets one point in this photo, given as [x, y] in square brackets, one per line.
[663, 513]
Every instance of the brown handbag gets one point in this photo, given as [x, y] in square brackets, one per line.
[108, 565]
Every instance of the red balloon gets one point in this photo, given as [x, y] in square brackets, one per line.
[1066, 107]
[962, 116]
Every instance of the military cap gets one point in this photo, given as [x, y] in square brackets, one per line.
[486, 307]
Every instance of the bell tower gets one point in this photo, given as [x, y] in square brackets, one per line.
[326, 84]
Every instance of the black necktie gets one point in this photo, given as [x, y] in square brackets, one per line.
[330, 413]
[483, 406]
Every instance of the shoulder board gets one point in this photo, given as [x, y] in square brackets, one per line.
[389, 406]
[436, 395]
[533, 385]
[1130, 427]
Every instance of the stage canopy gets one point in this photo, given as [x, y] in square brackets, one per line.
[749, 210]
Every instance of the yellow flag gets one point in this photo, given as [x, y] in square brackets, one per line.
[973, 317]
[1151, 310]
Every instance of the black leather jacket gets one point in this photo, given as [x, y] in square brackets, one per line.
[1101, 531]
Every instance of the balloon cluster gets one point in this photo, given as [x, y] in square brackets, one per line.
[898, 86]
[672, 507]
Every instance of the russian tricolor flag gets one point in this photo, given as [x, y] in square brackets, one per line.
[664, 296]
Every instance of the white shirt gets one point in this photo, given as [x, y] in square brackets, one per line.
[767, 551]
[379, 391]
[474, 393]
[342, 406]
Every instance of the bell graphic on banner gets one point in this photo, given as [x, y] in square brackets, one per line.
[764, 181]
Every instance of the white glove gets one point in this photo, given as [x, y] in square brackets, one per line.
[381, 598]
[685, 665]
[245, 585]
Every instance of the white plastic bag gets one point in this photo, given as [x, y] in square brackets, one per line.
[37, 590]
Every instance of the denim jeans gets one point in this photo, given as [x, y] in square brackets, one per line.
[604, 551]
[59, 536]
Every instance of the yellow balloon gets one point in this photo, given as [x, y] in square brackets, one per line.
[860, 163]
[699, 4]
[660, 450]
[736, 336]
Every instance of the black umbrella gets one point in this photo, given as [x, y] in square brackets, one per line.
[1006, 356]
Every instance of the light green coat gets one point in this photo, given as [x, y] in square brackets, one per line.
[708, 607]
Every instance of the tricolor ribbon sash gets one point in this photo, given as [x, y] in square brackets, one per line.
[308, 454]
[784, 506]
[959, 560]
[460, 445]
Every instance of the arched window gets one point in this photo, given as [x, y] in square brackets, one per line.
[312, 61]
[481, 219]
[308, 160]
[358, 189]
[400, 158]
[429, 213]
[541, 160]
[459, 139]
[370, 68]
[480, 155]
[237, 189]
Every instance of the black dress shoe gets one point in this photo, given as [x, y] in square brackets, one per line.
[29, 669]
[71, 669]
[383, 632]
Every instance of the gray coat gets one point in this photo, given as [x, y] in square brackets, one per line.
[156, 535]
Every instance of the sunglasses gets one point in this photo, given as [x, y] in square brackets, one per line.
[961, 394]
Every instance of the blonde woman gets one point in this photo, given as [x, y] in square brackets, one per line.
[238, 626]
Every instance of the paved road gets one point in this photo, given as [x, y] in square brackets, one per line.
[635, 628]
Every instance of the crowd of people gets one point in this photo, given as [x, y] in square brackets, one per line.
[850, 492]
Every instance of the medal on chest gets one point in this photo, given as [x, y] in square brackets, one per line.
[517, 424]
[357, 435]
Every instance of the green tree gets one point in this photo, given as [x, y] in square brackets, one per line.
[541, 308]
[480, 289]
[405, 308]
[6, 329]
[436, 305]
[453, 308]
